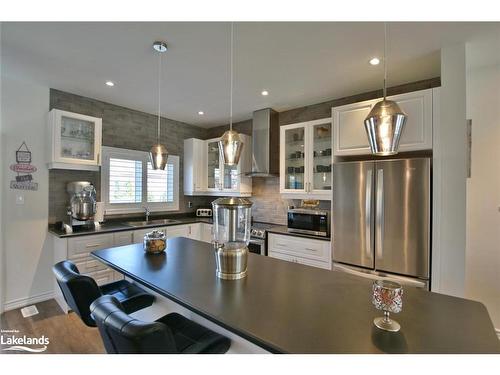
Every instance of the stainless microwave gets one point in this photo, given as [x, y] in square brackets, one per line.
[309, 221]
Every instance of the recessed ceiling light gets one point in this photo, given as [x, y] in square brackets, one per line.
[265, 93]
[201, 113]
[109, 83]
[374, 61]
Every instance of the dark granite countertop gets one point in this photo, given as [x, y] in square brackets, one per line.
[287, 307]
[120, 225]
[282, 229]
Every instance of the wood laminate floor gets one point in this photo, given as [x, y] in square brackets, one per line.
[67, 333]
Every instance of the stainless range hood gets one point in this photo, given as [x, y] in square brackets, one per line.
[265, 144]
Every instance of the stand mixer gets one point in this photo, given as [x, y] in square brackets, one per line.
[82, 206]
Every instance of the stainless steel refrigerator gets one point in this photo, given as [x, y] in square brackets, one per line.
[381, 219]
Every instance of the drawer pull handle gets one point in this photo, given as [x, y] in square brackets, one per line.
[308, 248]
[93, 245]
[280, 244]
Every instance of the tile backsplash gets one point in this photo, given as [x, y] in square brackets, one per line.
[268, 205]
[59, 198]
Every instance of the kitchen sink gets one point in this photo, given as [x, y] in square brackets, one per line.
[152, 222]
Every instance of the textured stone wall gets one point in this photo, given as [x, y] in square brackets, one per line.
[323, 110]
[125, 128]
[243, 127]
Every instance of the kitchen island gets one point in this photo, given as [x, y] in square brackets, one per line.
[285, 307]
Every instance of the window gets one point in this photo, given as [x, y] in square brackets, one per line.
[128, 182]
[161, 184]
[125, 181]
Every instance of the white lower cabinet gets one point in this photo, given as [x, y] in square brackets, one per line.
[206, 232]
[178, 231]
[104, 277]
[122, 238]
[311, 252]
[78, 249]
[138, 235]
[192, 231]
[78, 246]
[188, 230]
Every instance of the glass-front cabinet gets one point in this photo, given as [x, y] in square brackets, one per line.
[214, 166]
[222, 177]
[295, 159]
[321, 179]
[231, 177]
[306, 159]
[75, 140]
[216, 178]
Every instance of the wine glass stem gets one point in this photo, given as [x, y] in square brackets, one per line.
[386, 316]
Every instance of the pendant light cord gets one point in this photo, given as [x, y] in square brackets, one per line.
[231, 83]
[159, 97]
[385, 59]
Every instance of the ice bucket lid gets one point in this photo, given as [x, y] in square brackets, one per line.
[232, 202]
[155, 234]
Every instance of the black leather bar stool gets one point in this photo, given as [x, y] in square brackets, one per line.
[170, 334]
[80, 291]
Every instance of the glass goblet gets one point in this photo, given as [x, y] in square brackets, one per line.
[388, 297]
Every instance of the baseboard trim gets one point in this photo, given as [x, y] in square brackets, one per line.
[21, 302]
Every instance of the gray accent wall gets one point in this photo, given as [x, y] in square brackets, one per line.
[243, 127]
[322, 110]
[125, 128]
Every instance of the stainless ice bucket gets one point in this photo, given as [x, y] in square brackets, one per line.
[232, 217]
[231, 263]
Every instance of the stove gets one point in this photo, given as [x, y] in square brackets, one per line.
[257, 243]
[258, 229]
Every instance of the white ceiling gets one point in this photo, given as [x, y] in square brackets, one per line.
[299, 63]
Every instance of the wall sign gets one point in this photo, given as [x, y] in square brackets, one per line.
[24, 169]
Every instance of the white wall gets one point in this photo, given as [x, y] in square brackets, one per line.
[449, 163]
[2, 263]
[483, 190]
[28, 261]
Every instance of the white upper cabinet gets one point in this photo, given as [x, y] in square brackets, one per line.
[74, 140]
[206, 174]
[194, 166]
[306, 160]
[349, 135]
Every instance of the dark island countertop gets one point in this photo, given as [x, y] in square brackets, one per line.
[291, 308]
[119, 226]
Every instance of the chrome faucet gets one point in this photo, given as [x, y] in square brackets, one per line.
[147, 213]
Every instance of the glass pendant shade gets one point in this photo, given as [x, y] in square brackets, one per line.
[158, 155]
[384, 126]
[230, 146]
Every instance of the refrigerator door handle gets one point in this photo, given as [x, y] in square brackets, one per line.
[374, 275]
[368, 213]
[379, 226]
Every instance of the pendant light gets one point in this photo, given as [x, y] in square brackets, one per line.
[158, 153]
[230, 145]
[385, 122]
